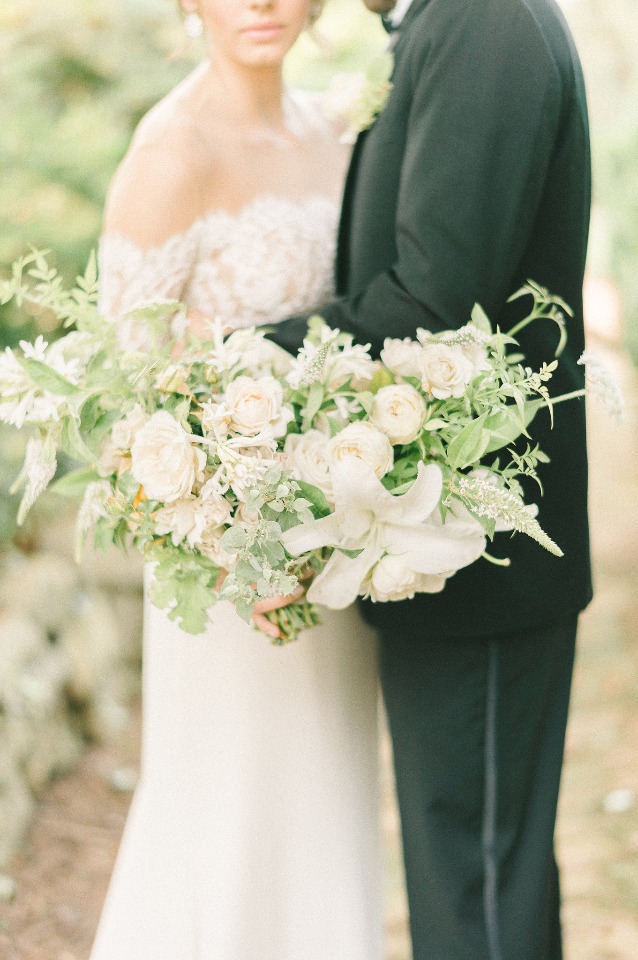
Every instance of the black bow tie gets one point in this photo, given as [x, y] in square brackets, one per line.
[388, 23]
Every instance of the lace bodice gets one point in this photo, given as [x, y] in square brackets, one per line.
[272, 259]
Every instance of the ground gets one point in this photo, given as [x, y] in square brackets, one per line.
[62, 874]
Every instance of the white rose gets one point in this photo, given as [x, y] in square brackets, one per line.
[256, 405]
[362, 441]
[164, 459]
[398, 410]
[309, 459]
[446, 371]
[190, 518]
[391, 579]
[403, 357]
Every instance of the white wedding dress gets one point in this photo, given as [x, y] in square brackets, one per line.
[254, 830]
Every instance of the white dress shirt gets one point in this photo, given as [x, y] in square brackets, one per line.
[400, 11]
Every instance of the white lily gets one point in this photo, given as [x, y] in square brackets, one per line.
[369, 521]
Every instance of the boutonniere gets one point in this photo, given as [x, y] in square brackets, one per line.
[356, 99]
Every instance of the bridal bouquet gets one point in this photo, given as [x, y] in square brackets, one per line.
[239, 470]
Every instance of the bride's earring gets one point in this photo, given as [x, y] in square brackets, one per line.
[193, 26]
[193, 23]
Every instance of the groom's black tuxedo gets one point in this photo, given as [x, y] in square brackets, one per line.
[475, 178]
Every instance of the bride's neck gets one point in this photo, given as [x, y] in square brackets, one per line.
[256, 95]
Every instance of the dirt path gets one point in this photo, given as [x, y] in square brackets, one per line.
[63, 873]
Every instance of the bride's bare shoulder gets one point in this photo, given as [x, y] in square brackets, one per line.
[158, 188]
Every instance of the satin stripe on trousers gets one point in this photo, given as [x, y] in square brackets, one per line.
[478, 732]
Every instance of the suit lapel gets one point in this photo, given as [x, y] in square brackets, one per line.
[343, 241]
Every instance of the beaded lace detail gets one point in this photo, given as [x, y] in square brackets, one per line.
[271, 260]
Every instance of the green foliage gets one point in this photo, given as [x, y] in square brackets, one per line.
[76, 78]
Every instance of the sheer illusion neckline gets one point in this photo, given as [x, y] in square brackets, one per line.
[261, 203]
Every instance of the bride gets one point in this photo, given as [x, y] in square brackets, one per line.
[253, 833]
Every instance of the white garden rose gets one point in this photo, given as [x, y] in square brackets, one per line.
[115, 454]
[403, 357]
[391, 579]
[188, 519]
[165, 460]
[254, 406]
[309, 459]
[446, 371]
[398, 410]
[362, 441]
[124, 432]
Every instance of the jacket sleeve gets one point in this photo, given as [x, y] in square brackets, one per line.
[483, 122]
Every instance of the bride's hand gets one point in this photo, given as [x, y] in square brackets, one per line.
[263, 607]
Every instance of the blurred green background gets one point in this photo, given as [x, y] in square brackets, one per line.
[77, 75]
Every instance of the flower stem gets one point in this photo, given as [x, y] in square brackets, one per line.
[292, 620]
[565, 396]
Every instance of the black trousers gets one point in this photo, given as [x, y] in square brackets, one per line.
[478, 729]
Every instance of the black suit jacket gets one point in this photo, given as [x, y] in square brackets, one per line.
[474, 178]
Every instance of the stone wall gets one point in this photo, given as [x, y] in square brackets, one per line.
[70, 651]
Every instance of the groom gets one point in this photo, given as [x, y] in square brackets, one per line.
[475, 178]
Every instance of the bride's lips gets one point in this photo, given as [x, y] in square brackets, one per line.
[264, 32]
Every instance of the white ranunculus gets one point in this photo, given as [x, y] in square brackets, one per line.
[309, 458]
[403, 357]
[446, 371]
[362, 441]
[254, 406]
[398, 410]
[165, 460]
